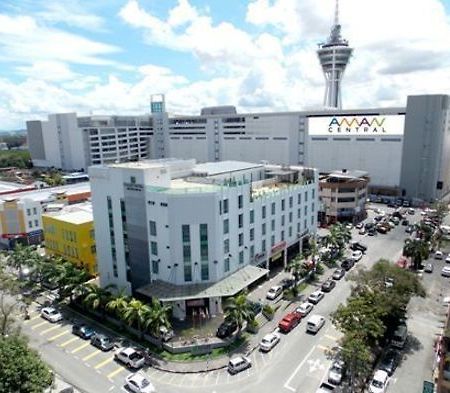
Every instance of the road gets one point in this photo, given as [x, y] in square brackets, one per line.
[297, 364]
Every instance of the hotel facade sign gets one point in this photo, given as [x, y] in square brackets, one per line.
[357, 125]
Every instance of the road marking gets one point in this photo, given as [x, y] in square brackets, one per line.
[115, 372]
[49, 329]
[330, 337]
[32, 319]
[68, 342]
[111, 388]
[58, 335]
[91, 355]
[104, 363]
[38, 324]
[323, 348]
[286, 385]
[80, 347]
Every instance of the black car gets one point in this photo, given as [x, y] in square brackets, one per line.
[358, 246]
[389, 361]
[347, 264]
[255, 307]
[391, 204]
[372, 232]
[328, 285]
[338, 274]
[102, 342]
[226, 329]
[405, 222]
[287, 283]
[83, 331]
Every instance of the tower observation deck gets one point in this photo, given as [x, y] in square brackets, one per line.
[334, 56]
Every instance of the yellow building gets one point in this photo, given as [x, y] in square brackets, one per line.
[69, 233]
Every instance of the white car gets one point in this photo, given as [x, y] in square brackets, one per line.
[315, 323]
[238, 364]
[269, 341]
[438, 255]
[139, 383]
[447, 259]
[379, 382]
[362, 231]
[51, 314]
[359, 225]
[445, 271]
[316, 297]
[130, 357]
[336, 372]
[304, 309]
[274, 292]
[357, 255]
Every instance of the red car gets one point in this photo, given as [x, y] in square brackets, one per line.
[289, 322]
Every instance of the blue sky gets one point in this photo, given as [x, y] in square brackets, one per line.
[109, 56]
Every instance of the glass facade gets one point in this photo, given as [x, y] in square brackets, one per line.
[187, 264]
[204, 252]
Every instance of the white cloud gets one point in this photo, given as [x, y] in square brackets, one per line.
[22, 39]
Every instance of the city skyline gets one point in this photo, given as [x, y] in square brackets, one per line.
[260, 55]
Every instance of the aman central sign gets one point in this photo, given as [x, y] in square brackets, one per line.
[357, 125]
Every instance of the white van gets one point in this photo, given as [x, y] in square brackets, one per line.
[400, 336]
[314, 323]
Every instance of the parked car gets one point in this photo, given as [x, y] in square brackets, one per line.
[130, 357]
[428, 268]
[438, 255]
[359, 225]
[372, 232]
[226, 329]
[389, 361]
[338, 274]
[238, 364]
[357, 255]
[447, 259]
[347, 264]
[289, 322]
[304, 309]
[409, 229]
[102, 342]
[287, 283]
[379, 382]
[382, 229]
[83, 331]
[274, 292]
[316, 297]
[255, 307]
[411, 211]
[328, 285]
[269, 341]
[315, 323]
[51, 314]
[166, 334]
[362, 231]
[405, 222]
[445, 271]
[336, 372]
[138, 383]
[400, 336]
[358, 246]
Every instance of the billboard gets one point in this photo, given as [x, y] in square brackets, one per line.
[357, 125]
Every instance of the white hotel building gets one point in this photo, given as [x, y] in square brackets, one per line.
[190, 233]
[405, 150]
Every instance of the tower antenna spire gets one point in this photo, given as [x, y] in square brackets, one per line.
[336, 13]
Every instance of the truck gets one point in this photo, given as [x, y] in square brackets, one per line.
[130, 357]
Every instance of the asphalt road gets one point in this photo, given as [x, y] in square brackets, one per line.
[297, 364]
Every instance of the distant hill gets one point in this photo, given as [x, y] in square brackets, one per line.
[13, 132]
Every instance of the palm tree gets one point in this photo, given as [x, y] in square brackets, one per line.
[96, 297]
[417, 249]
[238, 309]
[136, 313]
[157, 317]
[23, 256]
[118, 303]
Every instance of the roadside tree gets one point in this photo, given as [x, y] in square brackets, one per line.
[238, 309]
[417, 250]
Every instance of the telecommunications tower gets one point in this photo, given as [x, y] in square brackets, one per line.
[334, 56]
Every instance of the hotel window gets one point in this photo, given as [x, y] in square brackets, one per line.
[282, 220]
[252, 216]
[306, 210]
[299, 199]
[241, 239]
[240, 201]
[252, 234]
[241, 257]
[282, 235]
[263, 229]
[313, 208]
[290, 231]
[298, 228]
[152, 228]
[273, 208]
[252, 251]
[282, 205]
[28, 212]
[204, 271]
[155, 267]
[263, 212]
[272, 240]
[34, 210]
[290, 217]
[226, 246]
[241, 220]
[225, 226]
[298, 213]
[226, 265]
[187, 273]
[306, 196]
[263, 245]
[272, 225]
[291, 201]
[313, 194]
[36, 223]
[154, 248]
[225, 206]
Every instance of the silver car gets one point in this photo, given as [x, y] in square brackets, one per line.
[428, 268]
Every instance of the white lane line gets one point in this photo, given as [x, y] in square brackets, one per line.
[217, 378]
[286, 385]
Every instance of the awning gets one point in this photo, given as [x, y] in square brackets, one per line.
[229, 286]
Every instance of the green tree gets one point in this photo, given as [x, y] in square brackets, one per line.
[441, 210]
[238, 309]
[136, 313]
[96, 297]
[23, 256]
[21, 369]
[118, 303]
[357, 356]
[156, 317]
[417, 250]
